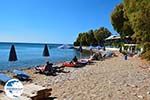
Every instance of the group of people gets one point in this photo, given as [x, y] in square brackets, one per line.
[49, 69]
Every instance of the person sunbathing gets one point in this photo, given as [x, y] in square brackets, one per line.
[49, 68]
[46, 69]
[74, 60]
[60, 69]
[95, 56]
[75, 63]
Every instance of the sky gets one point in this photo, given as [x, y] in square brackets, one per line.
[52, 21]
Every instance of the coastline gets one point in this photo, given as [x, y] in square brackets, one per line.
[86, 51]
[30, 55]
[113, 78]
[95, 50]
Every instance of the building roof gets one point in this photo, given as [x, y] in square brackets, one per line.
[113, 37]
[130, 45]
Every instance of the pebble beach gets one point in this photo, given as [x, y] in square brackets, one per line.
[111, 79]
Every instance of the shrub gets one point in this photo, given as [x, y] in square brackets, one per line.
[146, 55]
[124, 52]
[146, 46]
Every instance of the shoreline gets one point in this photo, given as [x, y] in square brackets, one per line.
[114, 78]
[55, 63]
[85, 50]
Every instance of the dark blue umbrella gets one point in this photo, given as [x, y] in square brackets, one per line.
[98, 47]
[80, 49]
[91, 47]
[12, 54]
[46, 51]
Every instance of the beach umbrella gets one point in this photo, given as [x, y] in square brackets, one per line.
[91, 49]
[81, 50]
[12, 54]
[46, 51]
[98, 47]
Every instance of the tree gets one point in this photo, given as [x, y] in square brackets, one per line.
[121, 22]
[84, 39]
[133, 18]
[91, 39]
[138, 12]
[78, 40]
[101, 34]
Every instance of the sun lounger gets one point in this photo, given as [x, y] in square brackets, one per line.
[40, 69]
[88, 61]
[68, 64]
[21, 75]
[4, 78]
[47, 70]
[75, 65]
[109, 54]
[82, 62]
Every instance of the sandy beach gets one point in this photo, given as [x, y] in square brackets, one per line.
[111, 79]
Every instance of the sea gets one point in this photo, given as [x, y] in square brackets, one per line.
[30, 55]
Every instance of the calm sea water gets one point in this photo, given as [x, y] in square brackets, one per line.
[30, 55]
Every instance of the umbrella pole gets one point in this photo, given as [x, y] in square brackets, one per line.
[80, 55]
[11, 65]
[47, 59]
[91, 52]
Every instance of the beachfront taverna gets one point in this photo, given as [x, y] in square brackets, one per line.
[125, 44]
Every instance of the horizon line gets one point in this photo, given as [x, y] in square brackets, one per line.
[32, 42]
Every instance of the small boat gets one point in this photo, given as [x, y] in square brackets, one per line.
[65, 46]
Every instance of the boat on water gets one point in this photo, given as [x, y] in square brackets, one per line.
[65, 46]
